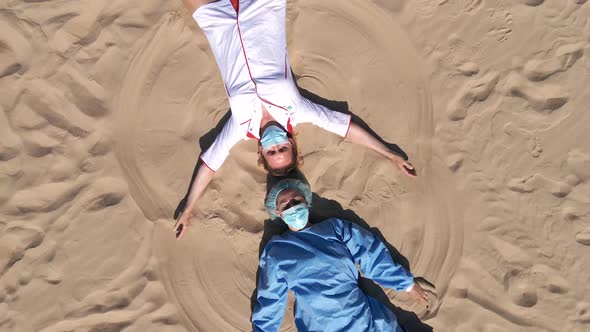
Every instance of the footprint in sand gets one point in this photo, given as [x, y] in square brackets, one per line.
[565, 57]
[545, 97]
[583, 237]
[532, 2]
[578, 163]
[533, 142]
[537, 181]
[23, 117]
[460, 6]
[511, 301]
[550, 279]
[44, 198]
[501, 33]
[476, 90]
[523, 293]
[468, 68]
[84, 92]
[38, 143]
[524, 285]
[15, 50]
[79, 30]
[10, 143]
[582, 314]
[15, 241]
[51, 104]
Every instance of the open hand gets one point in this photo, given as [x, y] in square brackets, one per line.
[419, 294]
[182, 223]
[404, 166]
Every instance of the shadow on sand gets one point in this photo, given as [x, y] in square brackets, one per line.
[339, 106]
[322, 209]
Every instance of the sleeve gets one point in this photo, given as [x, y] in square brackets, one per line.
[271, 298]
[374, 258]
[230, 134]
[323, 117]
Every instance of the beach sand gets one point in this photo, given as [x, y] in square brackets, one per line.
[105, 105]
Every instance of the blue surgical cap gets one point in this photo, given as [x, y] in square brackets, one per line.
[273, 193]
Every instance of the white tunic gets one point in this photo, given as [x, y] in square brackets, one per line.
[248, 40]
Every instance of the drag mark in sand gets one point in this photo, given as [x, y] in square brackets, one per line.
[15, 49]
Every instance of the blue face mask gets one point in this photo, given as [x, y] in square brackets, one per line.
[273, 135]
[296, 216]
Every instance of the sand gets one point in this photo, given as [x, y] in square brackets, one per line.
[103, 105]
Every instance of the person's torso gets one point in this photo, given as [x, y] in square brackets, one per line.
[251, 51]
[321, 272]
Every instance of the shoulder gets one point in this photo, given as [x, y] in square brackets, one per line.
[334, 226]
[273, 247]
[192, 5]
[335, 222]
[340, 228]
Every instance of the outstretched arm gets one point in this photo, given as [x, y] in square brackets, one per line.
[372, 255]
[202, 180]
[356, 134]
[375, 260]
[212, 159]
[341, 124]
[192, 5]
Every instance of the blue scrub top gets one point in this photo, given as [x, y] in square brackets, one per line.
[319, 265]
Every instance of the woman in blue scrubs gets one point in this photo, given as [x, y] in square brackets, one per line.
[318, 262]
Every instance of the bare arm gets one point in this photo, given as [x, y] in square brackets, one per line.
[341, 124]
[192, 5]
[358, 135]
[202, 180]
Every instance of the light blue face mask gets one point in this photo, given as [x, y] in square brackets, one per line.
[277, 188]
[273, 135]
[296, 216]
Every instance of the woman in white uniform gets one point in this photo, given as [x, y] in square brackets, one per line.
[248, 40]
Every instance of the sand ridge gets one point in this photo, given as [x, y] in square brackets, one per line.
[104, 105]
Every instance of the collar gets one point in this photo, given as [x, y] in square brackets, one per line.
[279, 113]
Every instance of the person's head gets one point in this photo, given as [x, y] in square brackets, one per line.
[290, 199]
[277, 151]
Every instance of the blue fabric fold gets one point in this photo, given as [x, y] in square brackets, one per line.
[319, 265]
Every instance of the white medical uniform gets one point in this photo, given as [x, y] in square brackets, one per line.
[248, 40]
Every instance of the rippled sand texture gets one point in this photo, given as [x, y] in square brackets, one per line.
[103, 103]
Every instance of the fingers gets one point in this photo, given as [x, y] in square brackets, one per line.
[425, 285]
[178, 219]
[419, 295]
[181, 225]
[179, 231]
[409, 171]
[407, 165]
[417, 298]
[424, 296]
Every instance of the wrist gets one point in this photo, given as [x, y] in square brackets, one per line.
[392, 156]
[188, 209]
